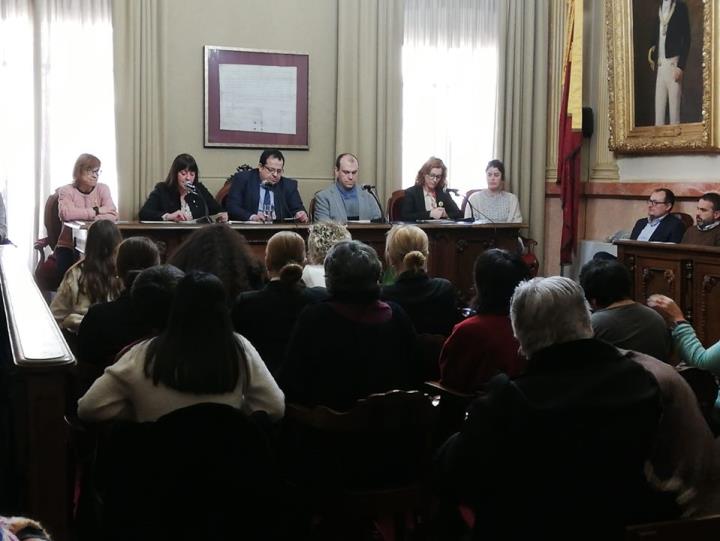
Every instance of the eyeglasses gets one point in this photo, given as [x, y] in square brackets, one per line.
[436, 177]
[94, 172]
[653, 203]
[273, 171]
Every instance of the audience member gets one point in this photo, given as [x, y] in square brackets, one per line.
[267, 317]
[660, 225]
[706, 232]
[152, 295]
[197, 358]
[483, 344]
[181, 196]
[90, 281]
[616, 317]
[344, 201]
[354, 344]
[589, 431]
[428, 198]
[219, 250]
[108, 327]
[431, 303]
[494, 204]
[85, 199]
[321, 237]
[263, 194]
[22, 529]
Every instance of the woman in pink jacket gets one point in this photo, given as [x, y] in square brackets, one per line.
[85, 199]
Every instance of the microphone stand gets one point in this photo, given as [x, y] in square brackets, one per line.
[192, 189]
[382, 219]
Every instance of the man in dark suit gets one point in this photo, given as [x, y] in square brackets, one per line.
[263, 194]
[659, 226]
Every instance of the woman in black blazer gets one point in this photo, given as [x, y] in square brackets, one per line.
[428, 200]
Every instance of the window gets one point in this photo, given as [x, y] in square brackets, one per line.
[58, 57]
[449, 68]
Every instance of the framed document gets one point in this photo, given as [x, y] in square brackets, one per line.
[256, 98]
[663, 66]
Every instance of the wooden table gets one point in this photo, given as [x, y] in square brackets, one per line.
[453, 247]
[688, 274]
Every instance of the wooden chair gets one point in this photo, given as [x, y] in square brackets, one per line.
[45, 270]
[685, 218]
[527, 252]
[705, 386]
[223, 192]
[465, 200]
[452, 406]
[375, 458]
[693, 529]
[393, 206]
[311, 209]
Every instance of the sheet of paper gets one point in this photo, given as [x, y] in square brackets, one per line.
[258, 98]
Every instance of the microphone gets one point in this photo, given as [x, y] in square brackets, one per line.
[452, 190]
[370, 188]
[192, 189]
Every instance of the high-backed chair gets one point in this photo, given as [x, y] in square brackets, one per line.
[311, 208]
[222, 193]
[685, 218]
[465, 200]
[369, 462]
[393, 206]
[45, 273]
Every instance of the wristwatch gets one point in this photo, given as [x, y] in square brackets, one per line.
[674, 324]
[97, 210]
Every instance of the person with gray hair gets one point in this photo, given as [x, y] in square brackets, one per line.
[354, 344]
[588, 431]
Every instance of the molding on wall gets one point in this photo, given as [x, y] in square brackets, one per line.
[634, 190]
[555, 60]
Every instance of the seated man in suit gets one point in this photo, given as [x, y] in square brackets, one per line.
[659, 226]
[263, 194]
[706, 231]
[343, 200]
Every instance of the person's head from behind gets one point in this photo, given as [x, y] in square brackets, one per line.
[219, 250]
[184, 170]
[660, 203]
[352, 272]
[549, 311]
[285, 257]
[321, 237]
[197, 351]
[497, 273]
[406, 248]
[708, 209]
[605, 282]
[152, 293]
[99, 274]
[495, 175]
[86, 172]
[271, 166]
[135, 254]
[346, 170]
[432, 175]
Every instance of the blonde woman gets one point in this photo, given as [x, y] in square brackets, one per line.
[431, 303]
[322, 237]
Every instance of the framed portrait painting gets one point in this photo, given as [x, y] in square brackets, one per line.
[662, 68]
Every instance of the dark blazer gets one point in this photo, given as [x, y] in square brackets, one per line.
[244, 197]
[412, 206]
[267, 317]
[677, 39]
[670, 229]
[165, 199]
[431, 303]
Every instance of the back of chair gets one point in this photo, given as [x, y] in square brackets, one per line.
[685, 218]
[465, 200]
[394, 203]
[51, 219]
[222, 193]
[311, 209]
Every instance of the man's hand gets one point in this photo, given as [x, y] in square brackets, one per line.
[260, 217]
[302, 217]
[677, 75]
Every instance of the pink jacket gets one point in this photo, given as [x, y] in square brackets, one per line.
[75, 205]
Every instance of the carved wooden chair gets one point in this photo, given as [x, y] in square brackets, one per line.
[223, 192]
[393, 206]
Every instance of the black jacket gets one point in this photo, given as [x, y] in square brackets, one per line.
[412, 207]
[165, 199]
[677, 39]
[670, 229]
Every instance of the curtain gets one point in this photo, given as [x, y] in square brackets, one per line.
[449, 68]
[60, 103]
[369, 123]
[138, 85]
[520, 139]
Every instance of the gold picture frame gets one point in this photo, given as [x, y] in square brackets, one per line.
[635, 127]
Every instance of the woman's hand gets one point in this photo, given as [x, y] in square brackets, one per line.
[437, 213]
[221, 217]
[107, 210]
[177, 216]
[666, 307]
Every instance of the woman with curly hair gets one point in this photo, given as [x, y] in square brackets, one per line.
[221, 251]
[91, 280]
[321, 237]
[428, 200]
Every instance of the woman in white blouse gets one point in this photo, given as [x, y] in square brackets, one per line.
[494, 204]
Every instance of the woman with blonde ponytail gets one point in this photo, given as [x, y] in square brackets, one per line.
[266, 317]
[431, 303]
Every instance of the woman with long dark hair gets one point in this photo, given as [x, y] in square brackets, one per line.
[91, 280]
[181, 197]
[196, 358]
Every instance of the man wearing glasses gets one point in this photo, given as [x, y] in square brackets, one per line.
[263, 194]
[659, 226]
